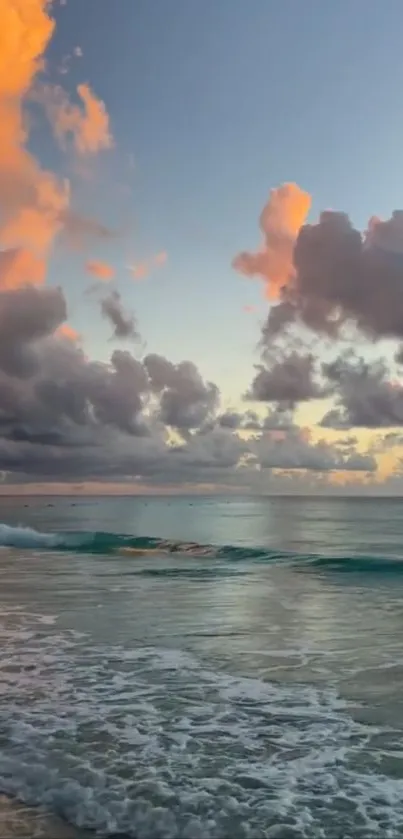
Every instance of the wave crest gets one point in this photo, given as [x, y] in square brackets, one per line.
[100, 542]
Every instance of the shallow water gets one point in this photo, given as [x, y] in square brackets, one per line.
[251, 691]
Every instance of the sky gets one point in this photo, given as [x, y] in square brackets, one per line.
[176, 314]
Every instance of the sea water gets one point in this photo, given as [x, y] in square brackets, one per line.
[201, 668]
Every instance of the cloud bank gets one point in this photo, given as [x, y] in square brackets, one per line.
[148, 420]
[335, 293]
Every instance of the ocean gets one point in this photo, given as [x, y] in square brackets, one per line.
[201, 668]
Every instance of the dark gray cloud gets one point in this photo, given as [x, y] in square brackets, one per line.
[27, 315]
[364, 394]
[342, 277]
[329, 274]
[288, 379]
[293, 450]
[65, 417]
[186, 401]
[399, 355]
[231, 419]
[162, 372]
[214, 450]
[124, 324]
[277, 418]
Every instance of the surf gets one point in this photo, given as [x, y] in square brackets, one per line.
[129, 545]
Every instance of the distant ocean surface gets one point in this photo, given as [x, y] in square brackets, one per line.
[201, 668]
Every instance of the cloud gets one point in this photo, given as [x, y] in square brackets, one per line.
[66, 417]
[280, 222]
[35, 203]
[101, 270]
[26, 316]
[342, 277]
[124, 325]
[288, 379]
[231, 419]
[278, 418]
[217, 450]
[186, 400]
[364, 394]
[329, 274]
[294, 450]
[160, 258]
[31, 199]
[85, 124]
[19, 267]
[140, 270]
[68, 332]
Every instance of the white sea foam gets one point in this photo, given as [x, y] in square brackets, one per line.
[153, 742]
[26, 537]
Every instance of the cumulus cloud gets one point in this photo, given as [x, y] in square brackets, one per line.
[288, 379]
[215, 450]
[19, 267]
[32, 200]
[27, 315]
[280, 222]
[124, 324]
[64, 416]
[278, 418]
[35, 205]
[67, 417]
[68, 332]
[364, 394]
[329, 274]
[294, 450]
[231, 419]
[186, 400]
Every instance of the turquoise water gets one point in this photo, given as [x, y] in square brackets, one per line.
[244, 679]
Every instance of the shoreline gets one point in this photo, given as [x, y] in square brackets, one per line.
[22, 821]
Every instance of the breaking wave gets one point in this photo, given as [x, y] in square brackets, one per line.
[100, 542]
[147, 742]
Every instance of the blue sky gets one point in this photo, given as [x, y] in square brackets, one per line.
[218, 101]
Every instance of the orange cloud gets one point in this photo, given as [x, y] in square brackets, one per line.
[31, 200]
[140, 270]
[68, 332]
[280, 222]
[19, 267]
[35, 203]
[86, 125]
[100, 270]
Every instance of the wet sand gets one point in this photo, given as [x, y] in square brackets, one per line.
[17, 821]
